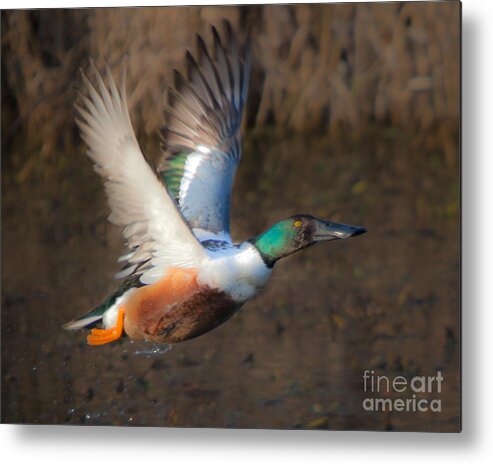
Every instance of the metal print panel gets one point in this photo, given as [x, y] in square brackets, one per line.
[242, 217]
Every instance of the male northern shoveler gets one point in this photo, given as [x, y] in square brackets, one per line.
[184, 275]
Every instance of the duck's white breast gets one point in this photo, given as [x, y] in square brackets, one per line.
[238, 271]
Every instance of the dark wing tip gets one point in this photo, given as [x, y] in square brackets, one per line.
[227, 27]
[178, 80]
[215, 34]
[201, 46]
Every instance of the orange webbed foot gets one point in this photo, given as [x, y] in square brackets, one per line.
[103, 336]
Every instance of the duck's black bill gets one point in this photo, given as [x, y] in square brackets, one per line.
[327, 230]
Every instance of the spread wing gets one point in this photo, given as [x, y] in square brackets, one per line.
[153, 228]
[201, 133]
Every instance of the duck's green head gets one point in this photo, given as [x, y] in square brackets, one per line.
[298, 232]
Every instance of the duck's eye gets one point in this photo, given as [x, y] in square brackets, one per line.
[297, 223]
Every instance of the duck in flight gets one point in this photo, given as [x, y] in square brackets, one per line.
[184, 275]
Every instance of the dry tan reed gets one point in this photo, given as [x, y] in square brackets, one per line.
[316, 67]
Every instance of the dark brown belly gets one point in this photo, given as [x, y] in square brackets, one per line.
[176, 309]
[170, 313]
[201, 313]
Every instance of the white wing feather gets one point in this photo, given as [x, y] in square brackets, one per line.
[202, 133]
[153, 228]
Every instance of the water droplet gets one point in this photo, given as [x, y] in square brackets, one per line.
[155, 350]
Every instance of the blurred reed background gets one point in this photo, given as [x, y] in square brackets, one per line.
[315, 68]
[353, 115]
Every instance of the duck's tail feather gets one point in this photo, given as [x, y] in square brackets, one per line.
[93, 317]
[87, 320]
